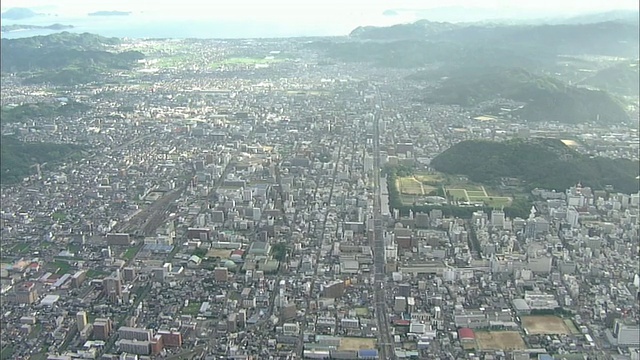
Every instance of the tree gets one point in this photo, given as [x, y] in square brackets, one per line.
[279, 251]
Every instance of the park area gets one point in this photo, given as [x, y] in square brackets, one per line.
[477, 194]
[545, 325]
[413, 187]
[355, 343]
[416, 187]
[499, 340]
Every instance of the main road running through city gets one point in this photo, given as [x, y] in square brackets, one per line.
[385, 343]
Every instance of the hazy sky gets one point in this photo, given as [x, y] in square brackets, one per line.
[216, 8]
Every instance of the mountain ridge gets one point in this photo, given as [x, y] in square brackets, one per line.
[545, 98]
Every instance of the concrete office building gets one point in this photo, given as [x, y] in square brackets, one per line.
[81, 320]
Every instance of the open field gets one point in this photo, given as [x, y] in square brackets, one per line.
[353, 343]
[60, 267]
[571, 326]
[21, 247]
[413, 188]
[493, 201]
[246, 61]
[191, 309]
[409, 185]
[458, 194]
[499, 340]
[416, 185]
[6, 352]
[548, 324]
[430, 178]
[362, 311]
[219, 253]
[477, 194]
[131, 252]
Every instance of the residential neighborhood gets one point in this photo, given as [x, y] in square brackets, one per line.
[245, 213]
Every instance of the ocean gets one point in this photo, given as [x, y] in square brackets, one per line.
[141, 25]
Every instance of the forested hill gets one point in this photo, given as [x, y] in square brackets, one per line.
[546, 99]
[622, 78]
[615, 38]
[65, 58]
[37, 111]
[544, 163]
[17, 157]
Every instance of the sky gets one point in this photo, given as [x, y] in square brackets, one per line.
[305, 8]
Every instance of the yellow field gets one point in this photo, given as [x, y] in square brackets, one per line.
[409, 185]
[353, 343]
[220, 253]
[547, 325]
[499, 340]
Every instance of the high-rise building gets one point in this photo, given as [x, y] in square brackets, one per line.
[26, 293]
[78, 278]
[81, 320]
[102, 329]
[626, 334]
[135, 346]
[242, 318]
[159, 274]
[112, 285]
[133, 333]
[232, 323]
[171, 338]
[129, 274]
[156, 345]
[497, 218]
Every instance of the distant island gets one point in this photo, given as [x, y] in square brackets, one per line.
[19, 27]
[109, 13]
[18, 14]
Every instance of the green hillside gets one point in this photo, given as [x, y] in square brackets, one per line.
[545, 163]
[623, 79]
[37, 111]
[17, 157]
[546, 99]
[613, 38]
[64, 58]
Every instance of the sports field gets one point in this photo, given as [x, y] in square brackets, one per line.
[220, 253]
[354, 343]
[499, 340]
[545, 325]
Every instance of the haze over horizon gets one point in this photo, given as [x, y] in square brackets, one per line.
[289, 10]
[284, 18]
